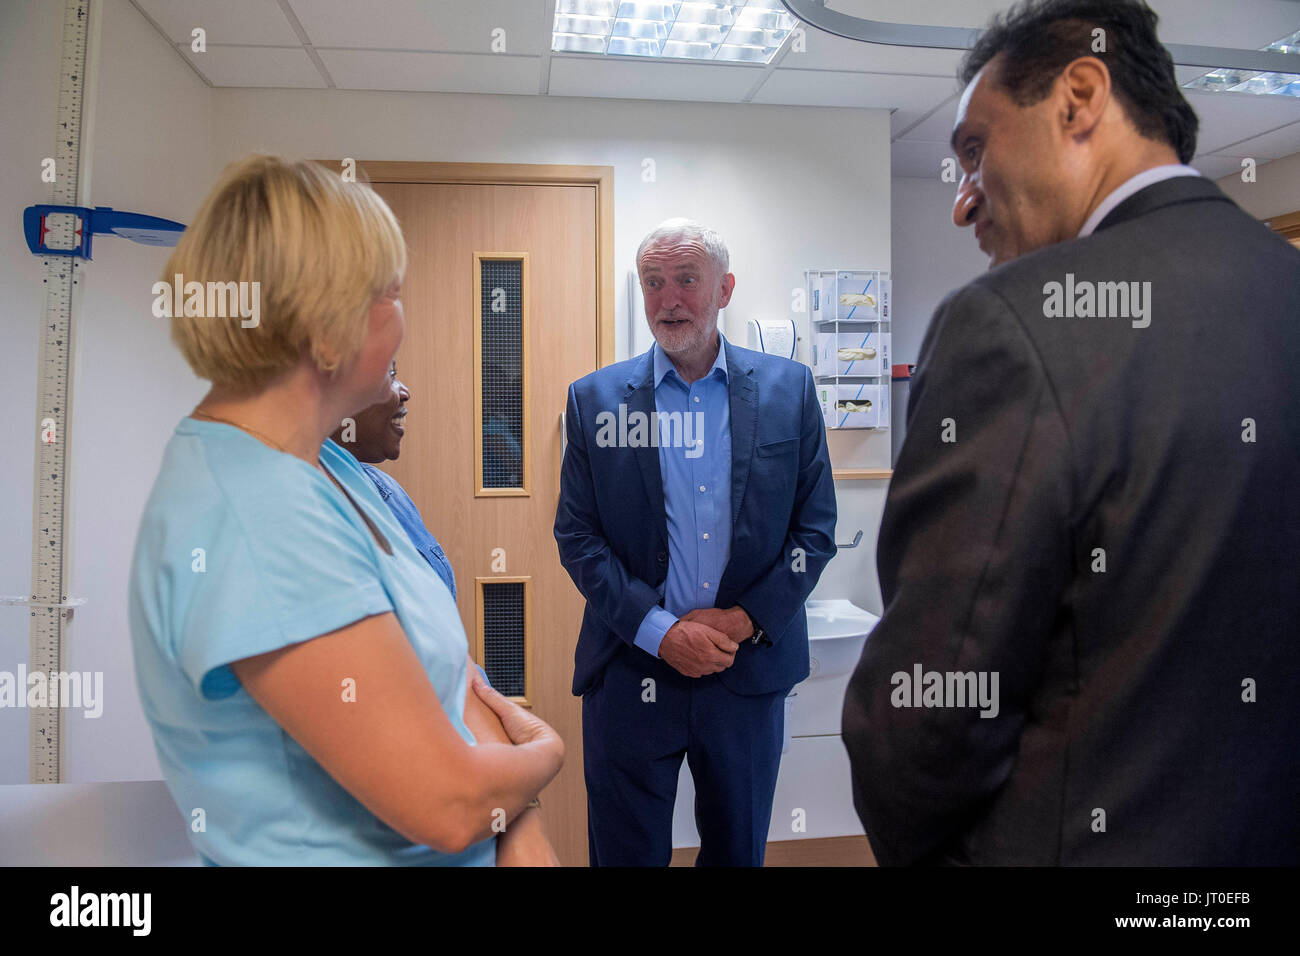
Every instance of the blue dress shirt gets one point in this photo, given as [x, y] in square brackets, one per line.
[697, 490]
[408, 516]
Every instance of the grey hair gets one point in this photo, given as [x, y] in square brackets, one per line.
[677, 227]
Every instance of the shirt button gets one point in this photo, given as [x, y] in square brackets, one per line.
[706, 536]
[706, 584]
[701, 488]
[697, 398]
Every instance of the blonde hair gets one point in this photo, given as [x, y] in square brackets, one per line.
[321, 249]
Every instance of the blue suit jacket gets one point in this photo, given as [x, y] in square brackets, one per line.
[612, 530]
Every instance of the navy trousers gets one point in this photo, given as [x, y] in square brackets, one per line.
[633, 743]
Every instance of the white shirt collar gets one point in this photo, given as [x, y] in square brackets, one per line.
[1139, 182]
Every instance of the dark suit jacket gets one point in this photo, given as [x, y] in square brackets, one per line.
[1121, 690]
[612, 529]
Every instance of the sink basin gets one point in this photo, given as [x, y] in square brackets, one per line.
[837, 630]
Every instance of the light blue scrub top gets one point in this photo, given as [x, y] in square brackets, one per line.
[284, 558]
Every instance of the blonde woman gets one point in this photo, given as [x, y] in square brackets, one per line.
[302, 667]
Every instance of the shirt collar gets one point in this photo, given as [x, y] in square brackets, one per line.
[1141, 181]
[663, 364]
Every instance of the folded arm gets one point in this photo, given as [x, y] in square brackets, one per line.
[393, 747]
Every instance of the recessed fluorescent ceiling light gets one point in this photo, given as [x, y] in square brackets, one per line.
[749, 32]
[1253, 81]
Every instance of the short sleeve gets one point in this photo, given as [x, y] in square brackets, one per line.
[280, 566]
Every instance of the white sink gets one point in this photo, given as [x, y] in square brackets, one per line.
[837, 630]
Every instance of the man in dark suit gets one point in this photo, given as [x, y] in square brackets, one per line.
[1095, 513]
[696, 514]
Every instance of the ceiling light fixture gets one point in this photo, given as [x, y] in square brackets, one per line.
[747, 31]
[1228, 80]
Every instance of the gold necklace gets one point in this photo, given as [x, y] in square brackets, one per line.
[374, 530]
[252, 431]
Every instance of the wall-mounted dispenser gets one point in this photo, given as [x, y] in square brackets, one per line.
[773, 336]
[848, 344]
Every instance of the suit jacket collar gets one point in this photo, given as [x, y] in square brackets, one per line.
[1167, 192]
[742, 389]
[640, 397]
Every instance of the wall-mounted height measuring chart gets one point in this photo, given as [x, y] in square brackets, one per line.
[60, 233]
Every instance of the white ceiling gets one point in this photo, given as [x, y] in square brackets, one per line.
[447, 46]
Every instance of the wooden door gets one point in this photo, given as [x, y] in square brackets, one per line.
[502, 534]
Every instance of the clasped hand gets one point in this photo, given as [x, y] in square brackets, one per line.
[705, 641]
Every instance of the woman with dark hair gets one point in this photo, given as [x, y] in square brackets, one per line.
[373, 436]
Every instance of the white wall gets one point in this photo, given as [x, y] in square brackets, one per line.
[152, 154]
[746, 170]
[1275, 191]
[932, 257]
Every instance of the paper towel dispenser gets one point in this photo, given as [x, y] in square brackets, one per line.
[773, 336]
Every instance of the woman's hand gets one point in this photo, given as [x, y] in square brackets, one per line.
[521, 726]
[524, 843]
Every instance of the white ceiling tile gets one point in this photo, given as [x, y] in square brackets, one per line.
[1245, 24]
[438, 72]
[1272, 145]
[1216, 165]
[913, 94]
[253, 44]
[650, 80]
[937, 128]
[1228, 118]
[436, 25]
[256, 66]
[255, 22]
[918, 160]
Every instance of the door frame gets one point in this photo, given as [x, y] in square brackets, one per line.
[1288, 226]
[524, 174]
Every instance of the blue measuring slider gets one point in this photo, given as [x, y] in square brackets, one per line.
[102, 220]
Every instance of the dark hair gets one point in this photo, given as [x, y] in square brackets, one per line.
[1041, 37]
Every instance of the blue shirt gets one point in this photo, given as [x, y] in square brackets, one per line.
[697, 490]
[243, 549]
[404, 510]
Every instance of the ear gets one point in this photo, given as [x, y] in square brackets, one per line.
[1083, 92]
[728, 285]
